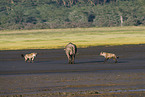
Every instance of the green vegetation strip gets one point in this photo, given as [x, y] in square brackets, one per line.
[82, 37]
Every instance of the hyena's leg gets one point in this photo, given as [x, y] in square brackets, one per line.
[29, 60]
[25, 59]
[115, 60]
[106, 60]
[32, 59]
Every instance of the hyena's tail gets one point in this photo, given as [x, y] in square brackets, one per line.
[22, 55]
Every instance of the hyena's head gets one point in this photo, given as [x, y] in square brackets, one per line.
[102, 53]
[35, 54]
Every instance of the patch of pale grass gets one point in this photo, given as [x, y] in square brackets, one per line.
[82, 37]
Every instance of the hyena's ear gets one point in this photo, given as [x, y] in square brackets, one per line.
[101, 52]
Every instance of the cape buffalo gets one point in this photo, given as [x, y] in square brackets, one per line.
[70, 50]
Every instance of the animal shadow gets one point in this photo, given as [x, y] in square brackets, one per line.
[83, 62]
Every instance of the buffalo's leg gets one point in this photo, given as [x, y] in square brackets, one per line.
[69, 59]
[73, 59]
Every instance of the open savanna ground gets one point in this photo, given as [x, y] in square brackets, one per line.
[82, 37]
[51, 76]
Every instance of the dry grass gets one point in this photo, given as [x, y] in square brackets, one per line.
[82, 37]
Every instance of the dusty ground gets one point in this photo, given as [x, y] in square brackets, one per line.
[50, 75]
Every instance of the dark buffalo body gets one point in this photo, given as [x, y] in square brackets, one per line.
[71, 51]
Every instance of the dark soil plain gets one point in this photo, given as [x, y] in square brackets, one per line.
[51, 76]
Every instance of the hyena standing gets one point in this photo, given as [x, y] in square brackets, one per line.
[70, 51]
[109, 56]
[30, 56]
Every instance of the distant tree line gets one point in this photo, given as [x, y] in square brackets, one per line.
[42, 14]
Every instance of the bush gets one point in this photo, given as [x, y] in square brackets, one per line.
[133, 12]
[106, 16]
[77, 17]
[27, 14]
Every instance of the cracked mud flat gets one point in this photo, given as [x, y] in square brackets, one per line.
[50, 75]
